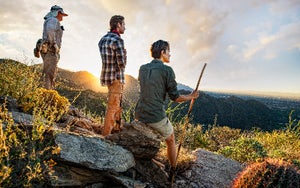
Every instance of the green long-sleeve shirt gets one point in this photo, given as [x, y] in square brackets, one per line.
[156, 81]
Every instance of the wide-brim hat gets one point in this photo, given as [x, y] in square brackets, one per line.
[54, 11]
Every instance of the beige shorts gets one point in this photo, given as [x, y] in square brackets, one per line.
[164, 127]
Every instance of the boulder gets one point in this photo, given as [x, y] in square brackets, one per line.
[139, 139]
[93, 152]
[149, 171]
[75, 121]
[210, 170]
[65, 175]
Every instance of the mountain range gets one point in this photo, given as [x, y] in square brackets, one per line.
[211, 108]
[236, 111]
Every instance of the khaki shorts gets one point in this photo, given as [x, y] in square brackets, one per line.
[164, 127]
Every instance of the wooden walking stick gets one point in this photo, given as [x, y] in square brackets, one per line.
[186, 124]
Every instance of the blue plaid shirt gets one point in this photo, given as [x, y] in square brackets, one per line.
[113, 55]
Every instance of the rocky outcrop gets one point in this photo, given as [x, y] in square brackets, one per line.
[85, 160]
[123, 159]
[93, 152]
[209, 170]
[142, 141]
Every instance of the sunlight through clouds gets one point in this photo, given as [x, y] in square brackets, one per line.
[233, 37]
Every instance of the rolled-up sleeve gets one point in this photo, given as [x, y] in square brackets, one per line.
[172, 85]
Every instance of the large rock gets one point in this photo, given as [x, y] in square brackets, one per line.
[210, 171]
[75, 121]
[93, 152]
[139, 139]
[65, 175]
[71, 176]
[149, 171]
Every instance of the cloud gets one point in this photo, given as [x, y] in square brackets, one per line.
[273, 31]
[286, 38]
[283, 7]
[231, 36]
[7, 49]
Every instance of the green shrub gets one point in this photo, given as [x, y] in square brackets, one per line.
[220, 137]
[281, 144]
[5, 169]
[48, 102]
[244, 150]
[25, 153]
[293, 125]
[269, 173]
[195, 138]
[17, 79]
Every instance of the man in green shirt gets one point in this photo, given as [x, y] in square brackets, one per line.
[157, 80]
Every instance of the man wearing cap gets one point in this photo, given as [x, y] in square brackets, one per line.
[113, 55]
[52, 37]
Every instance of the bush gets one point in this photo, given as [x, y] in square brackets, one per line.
[282, 144]
[5, 169]
[220, 137]
[49, 103]
[212, 139]
[195, 138]
[244, 150]
[17, 79]
[269, 173]
[25, 153]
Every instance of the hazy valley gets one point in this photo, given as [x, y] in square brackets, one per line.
[236, 110]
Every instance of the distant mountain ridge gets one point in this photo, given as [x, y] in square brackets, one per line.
[87, 80]
[84, 91]
[184, 87]
[231, 111]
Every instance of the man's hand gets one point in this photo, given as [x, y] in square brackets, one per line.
[56, 48]
[192, 96]
[195, 94]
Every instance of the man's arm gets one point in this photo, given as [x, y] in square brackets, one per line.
[183, 98]
[121, 54]
[51, 28]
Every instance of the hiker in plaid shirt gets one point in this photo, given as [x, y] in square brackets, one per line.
[113, 55]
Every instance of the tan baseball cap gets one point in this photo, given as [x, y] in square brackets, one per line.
[54, 11]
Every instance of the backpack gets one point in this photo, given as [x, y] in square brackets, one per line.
[41, 47]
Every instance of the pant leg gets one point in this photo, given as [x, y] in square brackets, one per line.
[50, 61]
[113, 106]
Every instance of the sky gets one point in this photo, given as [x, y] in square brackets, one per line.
[249, 45]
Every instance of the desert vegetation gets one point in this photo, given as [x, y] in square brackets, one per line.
[26, 159]
[269, 173]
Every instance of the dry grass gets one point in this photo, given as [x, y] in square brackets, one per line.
[184, 162]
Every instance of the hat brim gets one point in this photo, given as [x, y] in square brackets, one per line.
[64, 14]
